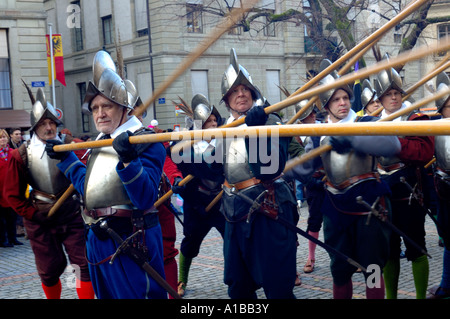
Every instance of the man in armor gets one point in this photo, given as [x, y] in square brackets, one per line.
[350, 168]
[258, 251]
[442, 183]
[119, 186]
[199, 192]
[63, 232]
[407, 213]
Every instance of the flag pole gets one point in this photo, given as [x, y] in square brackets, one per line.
[50, 41]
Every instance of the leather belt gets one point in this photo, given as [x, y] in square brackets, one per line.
[354, 179]
[110, 211]
[244, 184]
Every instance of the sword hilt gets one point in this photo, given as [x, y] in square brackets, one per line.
[415, 192]
[371, 209]
[123, 243]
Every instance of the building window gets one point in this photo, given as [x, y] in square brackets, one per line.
[142, 33]
[5, 78]
[107, 30]
[140, 14]
[194, 18]
[269, 29]
[199, 82]
[273, 93]
[443, 31]
[78, 32]
[85, 119]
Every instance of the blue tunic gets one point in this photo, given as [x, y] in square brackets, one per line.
[124, 279]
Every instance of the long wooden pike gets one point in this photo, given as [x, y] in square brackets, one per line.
[326, 148]
[363, 47]
[358, 50]
[341, 72]
[407, 128]
[403, 58]
[346, 79]
[441, 66]
[228, 22]
[436, 70]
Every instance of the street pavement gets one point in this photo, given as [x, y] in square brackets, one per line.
[19, 279]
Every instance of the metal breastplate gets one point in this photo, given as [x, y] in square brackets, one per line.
[45, 176]
[341, 167]
[102, 186]
[236, 166]
[442, 151]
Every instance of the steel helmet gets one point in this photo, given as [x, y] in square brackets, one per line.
[368, 94]
[234, 75]
[41, 110]
[106, 82]
[330, 78]
[387, 80]
[202, 110]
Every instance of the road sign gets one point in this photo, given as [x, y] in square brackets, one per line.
[38, 84]
[162, 100]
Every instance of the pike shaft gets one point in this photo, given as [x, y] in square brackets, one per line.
[421, 128]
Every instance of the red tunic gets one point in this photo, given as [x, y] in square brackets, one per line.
[16, 185]
[417, 150]
[3, 179]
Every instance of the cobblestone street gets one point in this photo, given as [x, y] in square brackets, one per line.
[19, 279]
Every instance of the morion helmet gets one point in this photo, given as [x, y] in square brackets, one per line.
[310, 109]
[368, 93]
[387, 80]
[202, 110]
[106, 82]
[329, 78]
[442, 83]
[235, 75]
[41, 110]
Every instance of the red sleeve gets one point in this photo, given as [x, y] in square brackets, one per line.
[171, 170]
[3, 171]
[417, 149]
[14, 189]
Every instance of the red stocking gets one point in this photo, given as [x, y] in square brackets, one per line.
[53, 292]
[85, 289]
